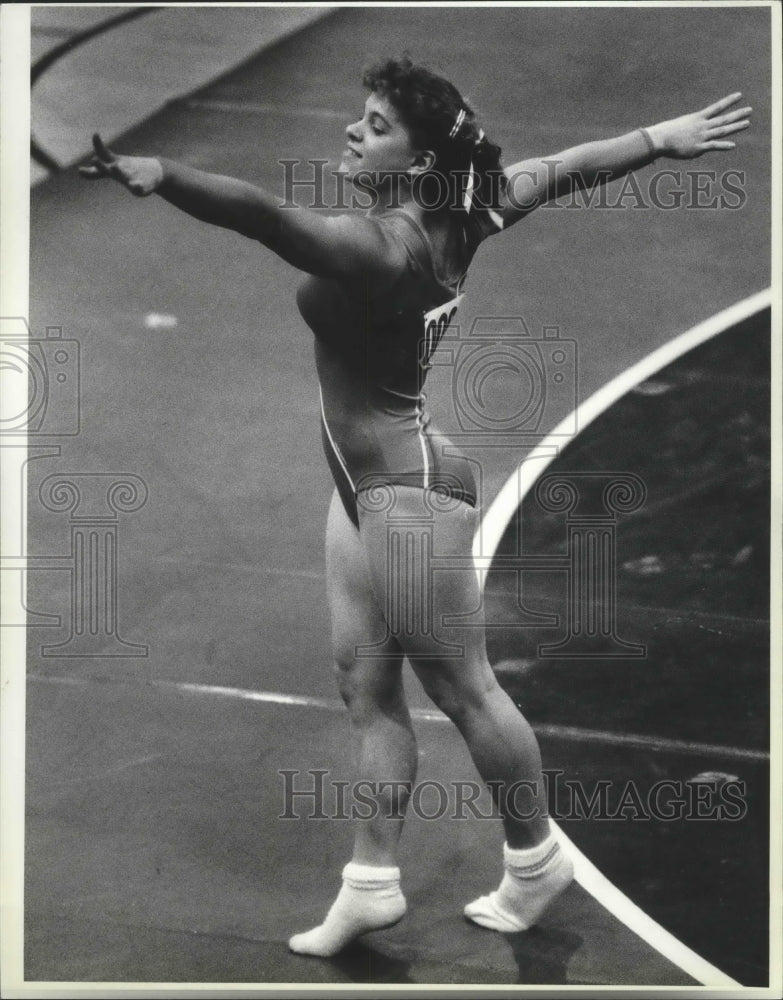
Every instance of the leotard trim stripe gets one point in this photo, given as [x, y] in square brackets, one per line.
[496, 217]
[403, 395]
[423, 443]
[333, 443]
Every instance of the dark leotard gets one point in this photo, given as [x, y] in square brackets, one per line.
[372, 354]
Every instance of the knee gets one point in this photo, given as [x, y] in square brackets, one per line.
[370, 694]
[345, 677]
[457, 698]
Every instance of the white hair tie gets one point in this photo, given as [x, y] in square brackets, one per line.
[467, 201]
[457, 124]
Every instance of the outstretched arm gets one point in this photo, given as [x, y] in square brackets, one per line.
[533, 182]
[342, 247]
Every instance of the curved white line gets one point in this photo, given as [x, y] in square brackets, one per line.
[635, 919]
[516, 487]
[488, 536]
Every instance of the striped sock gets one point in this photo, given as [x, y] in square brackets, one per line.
[370, 898]
[533, 878]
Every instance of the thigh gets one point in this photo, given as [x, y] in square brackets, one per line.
[362, 645]
[419, 554]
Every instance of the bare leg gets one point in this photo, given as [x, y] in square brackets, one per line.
[384, 746]
[462, 685]
[383, 743]
[419, 599]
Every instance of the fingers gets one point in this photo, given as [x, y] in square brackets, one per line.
[718, 106]
[99, 169]
[729, 129]
[732, 116]
[717, 144]
[96, 169]
[103, 154]
[92, 173]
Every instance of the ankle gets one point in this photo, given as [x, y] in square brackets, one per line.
[529, 862]
[359, 875]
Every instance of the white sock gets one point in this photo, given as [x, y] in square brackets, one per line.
[533, 879]
[370, 898]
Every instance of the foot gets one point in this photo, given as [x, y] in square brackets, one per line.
[526, 891]
[369, 900]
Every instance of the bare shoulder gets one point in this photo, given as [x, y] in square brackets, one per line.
[362, 252]
[375, 237]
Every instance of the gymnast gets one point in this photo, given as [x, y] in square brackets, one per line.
[378, 289]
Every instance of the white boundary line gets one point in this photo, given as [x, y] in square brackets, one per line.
[502, 508]
[485, 545]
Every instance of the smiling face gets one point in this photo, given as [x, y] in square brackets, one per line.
[379, 144]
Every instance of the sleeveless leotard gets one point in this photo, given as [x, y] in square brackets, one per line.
[372, 355]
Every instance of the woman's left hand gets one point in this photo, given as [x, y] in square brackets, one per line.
[692, 135]
[141, 175]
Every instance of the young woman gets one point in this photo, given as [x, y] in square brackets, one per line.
[372, 279]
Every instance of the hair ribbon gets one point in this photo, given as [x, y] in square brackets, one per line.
[467, 201]
[457, 123]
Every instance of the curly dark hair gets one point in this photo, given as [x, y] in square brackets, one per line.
[430, 107]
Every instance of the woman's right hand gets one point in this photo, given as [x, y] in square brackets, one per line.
[141, 175]
[692, 135]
